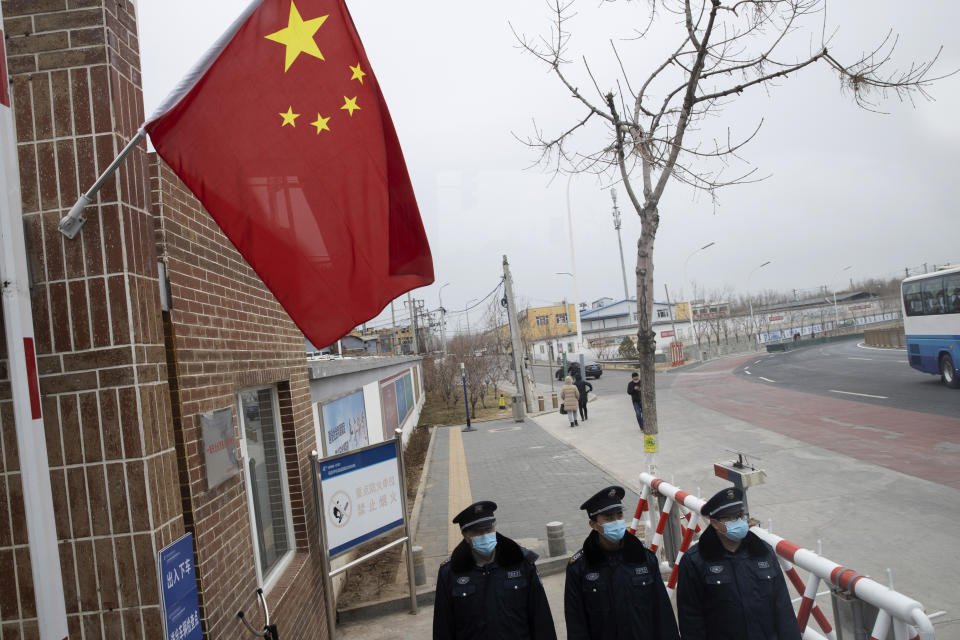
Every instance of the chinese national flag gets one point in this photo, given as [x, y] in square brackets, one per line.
[287, 142]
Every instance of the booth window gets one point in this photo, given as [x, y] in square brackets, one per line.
[266, 480]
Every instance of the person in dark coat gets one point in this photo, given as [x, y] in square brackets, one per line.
[614, 590]
[489, 587]
[583, 387]
[730, 584]
[634, 389]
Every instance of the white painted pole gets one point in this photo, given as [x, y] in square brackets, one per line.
[25, 385]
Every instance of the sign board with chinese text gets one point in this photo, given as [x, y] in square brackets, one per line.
[178, 591]
[345, 424]
[219, 446]
[360, 493]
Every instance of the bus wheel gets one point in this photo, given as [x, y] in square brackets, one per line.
[947, 373]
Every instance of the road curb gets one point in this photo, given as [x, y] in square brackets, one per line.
[427, 595]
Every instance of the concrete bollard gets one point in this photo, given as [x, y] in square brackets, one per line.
[540, 402]
[419, 570]
[556, 545]
[553, 398]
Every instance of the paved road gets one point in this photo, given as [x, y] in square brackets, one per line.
[879, 377]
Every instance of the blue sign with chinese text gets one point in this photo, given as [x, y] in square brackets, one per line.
[178, 591]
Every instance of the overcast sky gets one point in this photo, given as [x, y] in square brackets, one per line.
[846, 186]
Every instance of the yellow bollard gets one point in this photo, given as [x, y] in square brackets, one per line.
[503, 404]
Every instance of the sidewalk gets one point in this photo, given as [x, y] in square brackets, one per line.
[868, 517]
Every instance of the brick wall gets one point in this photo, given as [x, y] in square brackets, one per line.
[226, 332]
[100, 346]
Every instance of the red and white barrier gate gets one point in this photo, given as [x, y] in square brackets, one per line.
[905, 614]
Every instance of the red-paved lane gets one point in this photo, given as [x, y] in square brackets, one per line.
[918, 444]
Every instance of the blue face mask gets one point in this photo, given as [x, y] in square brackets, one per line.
[737, 530]
[613, 531]
[485, 544]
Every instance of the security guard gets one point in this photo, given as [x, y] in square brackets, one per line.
[614, 589]
[730, 583]
[489, 587]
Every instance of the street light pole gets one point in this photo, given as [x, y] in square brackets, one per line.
[467, 313]
[616, 225]
[696, 340]
[573, 268]
[836, 311]
[443, 318]
[753, 324]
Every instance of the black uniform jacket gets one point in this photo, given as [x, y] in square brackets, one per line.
[619, 595]
[582, 385]
[735, 596]
[504, 599]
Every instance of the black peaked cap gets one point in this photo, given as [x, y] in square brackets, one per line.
[609, 499]
[476, 514]
[724, 503]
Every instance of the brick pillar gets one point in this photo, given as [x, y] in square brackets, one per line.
[77, 100]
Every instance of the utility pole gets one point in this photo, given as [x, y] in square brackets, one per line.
[515, 338]
[673, 324]
[393, 330]
[412, 308]
[616, 225]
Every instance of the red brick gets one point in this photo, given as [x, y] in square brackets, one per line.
[47, 173]
[79, 505]
[119, 514]
[25, 7]
[97, 490]
[42, 107]
[61, 512]
[22, 97]
[69, 19]
[28, 606]
[71, 58]
[35, 43]
[79, 317]
[90, 427]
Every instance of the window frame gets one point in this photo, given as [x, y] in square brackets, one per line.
[266, 581]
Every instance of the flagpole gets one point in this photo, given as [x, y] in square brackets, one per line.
[70, 225]
[25, 388]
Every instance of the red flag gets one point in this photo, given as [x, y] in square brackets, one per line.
[286, 140]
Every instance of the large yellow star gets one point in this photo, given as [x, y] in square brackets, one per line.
[289, 117]
[298, 36]
[357, 73]
[321, 124]
[350, 104]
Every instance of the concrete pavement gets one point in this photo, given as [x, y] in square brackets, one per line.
[868, 517]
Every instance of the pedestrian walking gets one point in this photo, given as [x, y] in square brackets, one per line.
[570, 398]
[583, 387]
[614, 588]
[634, 390]
[489, 588]
[730, 584]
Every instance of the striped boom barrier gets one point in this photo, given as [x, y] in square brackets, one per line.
[791, 572]
[661, 524]
[906, 614]
[684, 545]
[641, 507]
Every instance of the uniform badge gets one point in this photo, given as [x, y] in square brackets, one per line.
[478, 509]
[717, 568]
[729, 494]
[463, 580]
[763, 564]
[642, 570]
[514, 574]
[612, 492]
[592, 576]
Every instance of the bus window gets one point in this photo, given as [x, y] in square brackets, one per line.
[933, 302]
[951, 289]
[912, 299]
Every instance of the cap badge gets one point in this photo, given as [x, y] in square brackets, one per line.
[730, 494]
[478, 509]
[463, 580]
[612, 492]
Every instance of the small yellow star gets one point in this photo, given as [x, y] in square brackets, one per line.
[298, 36]
[357, 73]
[289, 117]
[350, 104]
[321, 124]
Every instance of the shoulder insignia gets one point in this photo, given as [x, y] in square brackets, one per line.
[576, 556]
[445, 561]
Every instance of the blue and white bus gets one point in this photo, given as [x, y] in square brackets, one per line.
[931, 321]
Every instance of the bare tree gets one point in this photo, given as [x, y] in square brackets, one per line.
[653, 130]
